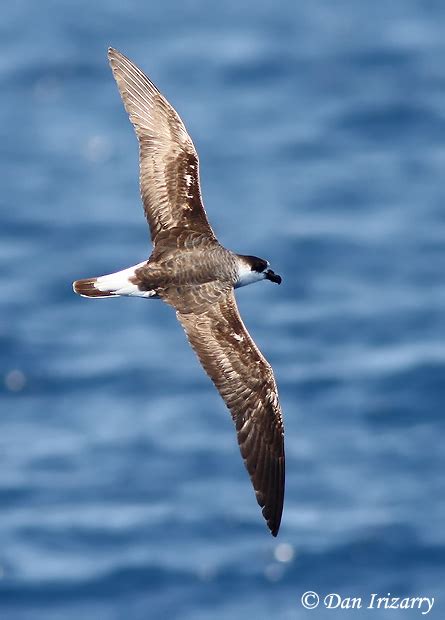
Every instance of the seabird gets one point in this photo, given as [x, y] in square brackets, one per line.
[191, 271]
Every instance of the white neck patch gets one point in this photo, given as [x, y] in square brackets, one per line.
[247, 276]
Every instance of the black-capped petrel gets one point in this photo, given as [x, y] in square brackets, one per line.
[191, 271]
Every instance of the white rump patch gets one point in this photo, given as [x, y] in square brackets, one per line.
[119, 283]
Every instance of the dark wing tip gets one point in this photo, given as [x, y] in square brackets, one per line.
[265, 463]
[274, 521]
[273, 509]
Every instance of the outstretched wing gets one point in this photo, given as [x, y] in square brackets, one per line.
[169, 167]
[245, 380]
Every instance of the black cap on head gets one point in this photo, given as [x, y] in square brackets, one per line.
[256, 264]
[260, 266]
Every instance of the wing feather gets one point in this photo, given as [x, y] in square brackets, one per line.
[169, 166]
[245, 381]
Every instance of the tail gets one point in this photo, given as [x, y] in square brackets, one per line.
[113, 285]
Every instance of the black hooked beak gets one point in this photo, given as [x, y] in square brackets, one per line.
[273, 277]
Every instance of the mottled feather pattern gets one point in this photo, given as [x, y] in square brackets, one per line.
[210, 264]
[169, 166]
[245, 381]
[189, 270]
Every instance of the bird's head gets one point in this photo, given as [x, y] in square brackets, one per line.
[253, 269]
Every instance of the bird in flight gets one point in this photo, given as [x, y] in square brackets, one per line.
[191, 271]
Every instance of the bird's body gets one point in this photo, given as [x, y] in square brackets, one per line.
[192, 272]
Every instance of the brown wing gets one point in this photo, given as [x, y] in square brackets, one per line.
[245, 381]
[169, 167]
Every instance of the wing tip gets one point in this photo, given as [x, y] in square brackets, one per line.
[114, 56]
[272, 510]
[273, 521]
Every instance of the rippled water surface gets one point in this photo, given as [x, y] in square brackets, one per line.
[321, 131]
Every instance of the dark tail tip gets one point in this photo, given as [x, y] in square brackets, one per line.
[86, 288]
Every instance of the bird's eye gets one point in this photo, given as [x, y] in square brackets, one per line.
[260, 266]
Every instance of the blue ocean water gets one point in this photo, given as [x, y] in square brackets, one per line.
[321, 133]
